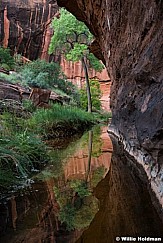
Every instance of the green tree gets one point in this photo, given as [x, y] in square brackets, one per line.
[6, 60]
[72, 38]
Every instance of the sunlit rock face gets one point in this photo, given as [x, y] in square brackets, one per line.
[129, 40]
[75, 74]
[24, 26]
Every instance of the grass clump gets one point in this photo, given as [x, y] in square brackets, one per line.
[103, 117]
[60, 121]
[20, 151]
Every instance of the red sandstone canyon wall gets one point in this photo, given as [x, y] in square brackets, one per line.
[25, 26]
[75, 74]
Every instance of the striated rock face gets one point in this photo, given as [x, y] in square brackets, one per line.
[75, 74]
[129, 40]
[24, 26]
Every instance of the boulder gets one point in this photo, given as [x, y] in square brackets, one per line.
[9, 91]
[40, 96]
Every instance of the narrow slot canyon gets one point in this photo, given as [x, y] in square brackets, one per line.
[93, 182]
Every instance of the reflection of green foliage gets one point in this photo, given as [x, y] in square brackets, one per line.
[97, 142]
[97, 176]
[86, 213]
[58, 159]
[78, 218]
[77, 205]
[66, 215]
[80, 187]
[95, 95]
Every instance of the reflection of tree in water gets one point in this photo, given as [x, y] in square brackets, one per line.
[77, 204]
[96, 141]
[76, 201]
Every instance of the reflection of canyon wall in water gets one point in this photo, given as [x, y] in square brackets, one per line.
[32, 216]
[125, 205]
[77, 165]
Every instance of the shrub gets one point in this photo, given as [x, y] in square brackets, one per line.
[46, 75]
[6, 60]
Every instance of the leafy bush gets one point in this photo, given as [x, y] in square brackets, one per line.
[46, 75]
[6, 60]
[95, 95]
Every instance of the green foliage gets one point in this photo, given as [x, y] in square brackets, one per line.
[72, 38]
[41, 74]
[96, 141]
[77, 52]
[46, 75]
[80, 187]
[95, 63]
[67, 214]
[77, 205]
[66, 29]
[95, 95]
[28, 105]
[13, 78]
[20, 150]
[98, 175]
[103, 117]
[60, 121]
[6, 60]
[6, 177]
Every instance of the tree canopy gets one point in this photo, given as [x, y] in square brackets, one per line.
[72, 37]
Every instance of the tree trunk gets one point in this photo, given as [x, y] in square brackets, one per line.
[87, 85]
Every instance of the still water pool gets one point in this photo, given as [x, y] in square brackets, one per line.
[90, 193]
